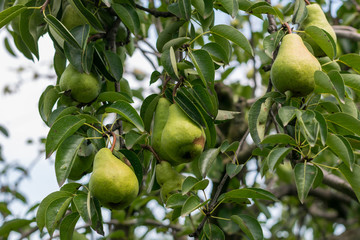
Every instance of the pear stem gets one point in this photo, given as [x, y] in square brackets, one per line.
[307, 2]
[288, 27]
[114, 142]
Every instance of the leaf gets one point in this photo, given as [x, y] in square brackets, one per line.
[60, 29]
[276, 156]
[204, 66]
[342, 148]
[249, 225]
[339, 85]
[193, 184]
[65, 157]
[352, 177]
[176, 200]
[233, 35]
[262, 8]
[233, 169]
[10, 13]
[128, 16]
[67, 226]
[255, 193]
[308, 125]
[167, 63]
[206, 160]
[115, 64]
[80, 202]
[44, 205]
[173, 61]
[304, 178]
[216, 52]
[125, 110]
[279, 138]
[167, 34]
[300, 12]
[135, 163]
[13, 225]
[287, 114]
[191, 204]
[185, 9]
[176, 43]
[213, 232]
[323, 39]
[323, 127]
[85, 13]
[272, 41]
[55, 212]
[47, 101]
[27, 33]
[114, 97]
[60, 130]
[352, 60]
[346, 121]
[231, 7]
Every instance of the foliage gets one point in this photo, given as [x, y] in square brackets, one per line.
[303, 150]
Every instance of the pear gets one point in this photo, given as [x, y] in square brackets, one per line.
[169, 179]
[112, 182]
[294, 67]
[316, 17]
[182, 139]
[84, 87]
[160, 119]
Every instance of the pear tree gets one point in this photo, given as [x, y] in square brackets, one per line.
[248, 126]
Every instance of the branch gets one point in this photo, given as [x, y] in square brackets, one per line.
[346, 32]
[272, 23]
[339, 184]
[155, 12]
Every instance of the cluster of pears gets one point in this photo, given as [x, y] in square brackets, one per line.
[82, 87]
[176, 138]
[112, 181]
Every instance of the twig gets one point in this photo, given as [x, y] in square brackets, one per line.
[272, 23]
[155, 12]
[151, 149]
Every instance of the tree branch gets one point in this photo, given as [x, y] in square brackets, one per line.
[346, 32]
[339, 184]
[155, 12]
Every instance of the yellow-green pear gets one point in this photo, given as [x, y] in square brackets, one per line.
[316, 17]
[294, 67]
[112, 182]
[169, 179]
[84, 87]
[182, 139]
[160, 119]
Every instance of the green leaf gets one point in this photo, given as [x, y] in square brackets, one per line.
[47, 101]
[300, 12]
[233, 35]
[352, 177]
[213, 232]
[324, 84]
[206, 98]
[204, 66]
[10, 13]
[60, 130]
[323, 39]
[125, 110]
[167, 63]
[276, 156]
[115, 64]
[304, 178]
[185, 9]
[147, 110]
[114, 97]
[233, 169]
[287, 114]
[27, 32]
[279, 138]
[342, 148]
[231, 6]
[135, 163]
[272, 41]
[346, 121]
[67, 226]
[191, 204]
[81, 204]
[255, 193]
[308, 125]
[262, 8]
[176, 200]
[323, 126]
[65, 157]
[71, 187]
[193, 184]
[352, 81]
[13, 225]
[338, 84]
[60, 29]
[85, 13]
[352, 60]
[206, 160]
[176, 43]
[173, 61]
[249, 225]
[216, 52]
[55, 212]
[128, 16]
[44, 205]
[167, 34]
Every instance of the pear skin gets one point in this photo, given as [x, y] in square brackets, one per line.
[160, 119]
[169, 179]
[182, 139]
[112, 182]
[316, 17]
[294, 67]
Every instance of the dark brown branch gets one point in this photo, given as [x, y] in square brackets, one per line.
[338, 184]
[148, 147]
[155, 12]
[272, 23]
[346, 32]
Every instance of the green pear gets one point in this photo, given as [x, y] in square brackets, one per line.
[71, 17]
[316, 17]
[84, 87]
[182, 139]
[294, 67]
[169, 179]
[112, 182]
[160, 119]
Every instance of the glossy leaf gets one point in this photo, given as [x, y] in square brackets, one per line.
[176, 200]
[167, 63]
[55, 212]
[128, 16]
[255, 193]
[352, 60]
[279, 138]
[216, 52]
[249, 225]
[352, 176]
[300, 12]
[193, 184]
[85, 13]
[191, 204]
[346, 121]
[115, 65]
[287, 114]
[233, 35]
[342, 148]
[135, 163]
[304, 178]
[276, 156]
[233, 169]
[67, 226]
[60, 130]
[204, 66]
[47, 101]
[323, 39]
[212, 231]
[125, 110]
[206, 160]
[10, 13]
[13, 225]
[231, 6]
